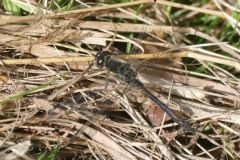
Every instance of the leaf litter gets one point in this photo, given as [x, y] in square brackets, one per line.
[53, 104]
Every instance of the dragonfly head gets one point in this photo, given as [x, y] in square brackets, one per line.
[101, 58]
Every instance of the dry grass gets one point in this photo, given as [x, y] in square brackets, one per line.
[52, 99]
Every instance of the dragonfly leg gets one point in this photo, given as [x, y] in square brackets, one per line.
[106, 81]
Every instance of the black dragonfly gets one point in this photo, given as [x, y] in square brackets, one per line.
[124, 72]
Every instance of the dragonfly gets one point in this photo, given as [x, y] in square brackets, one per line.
[126, 73]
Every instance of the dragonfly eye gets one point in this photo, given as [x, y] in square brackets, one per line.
[99, 60]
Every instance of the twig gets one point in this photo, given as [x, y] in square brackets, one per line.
[47, 60]
[11, 19]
